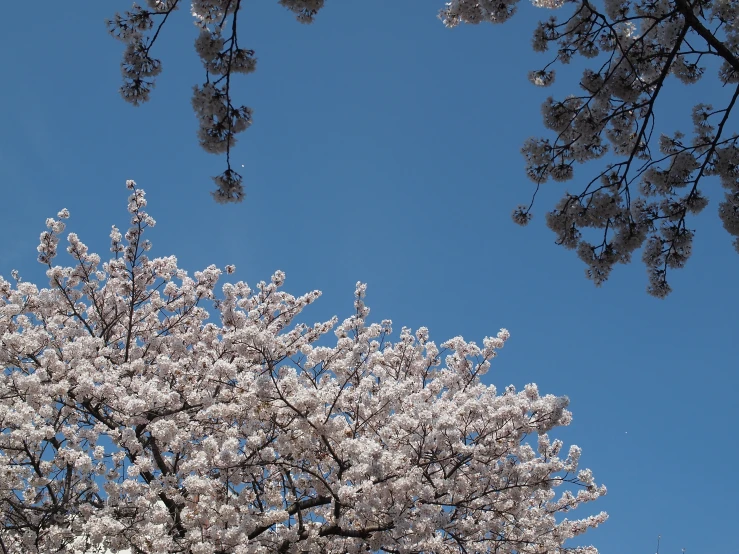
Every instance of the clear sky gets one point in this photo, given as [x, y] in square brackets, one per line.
[385, 149]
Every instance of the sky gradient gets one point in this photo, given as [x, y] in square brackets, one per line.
[385, 149]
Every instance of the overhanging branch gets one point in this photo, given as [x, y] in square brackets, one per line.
[695, 23]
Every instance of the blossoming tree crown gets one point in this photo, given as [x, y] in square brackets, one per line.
[132, 421]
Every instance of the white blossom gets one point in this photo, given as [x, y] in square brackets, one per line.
[162, 431]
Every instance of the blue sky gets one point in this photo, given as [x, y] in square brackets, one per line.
[385, 149]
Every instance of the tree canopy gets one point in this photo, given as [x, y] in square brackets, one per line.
[130, 419]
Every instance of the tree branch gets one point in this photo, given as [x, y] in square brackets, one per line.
[690, 18]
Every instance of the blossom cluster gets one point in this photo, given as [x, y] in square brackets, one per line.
[219, 120]
[644, 200]
[131, 419]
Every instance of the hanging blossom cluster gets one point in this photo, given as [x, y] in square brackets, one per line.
[130, 421]
[643, 200]
[217, 45]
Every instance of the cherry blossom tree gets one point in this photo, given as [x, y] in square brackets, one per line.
[641, 200]
[131, 421]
